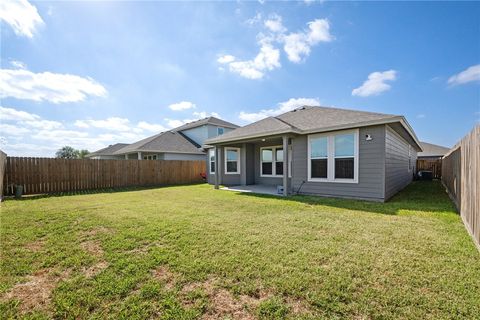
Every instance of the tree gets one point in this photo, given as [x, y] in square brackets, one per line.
[82, 153]
[67, 152]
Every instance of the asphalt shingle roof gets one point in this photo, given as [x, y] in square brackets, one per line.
[204, 121]
[108, 151]
[432, 150]
[304, 120]
[169, 141]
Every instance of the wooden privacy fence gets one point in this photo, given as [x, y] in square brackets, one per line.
[47, 175]
[434, 165]
[461, 177]
[3, 162]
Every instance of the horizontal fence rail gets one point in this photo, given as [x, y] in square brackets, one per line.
[430, 165]
[461, 177]
[48, 175]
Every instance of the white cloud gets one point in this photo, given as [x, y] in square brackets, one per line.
[16, 115]
[204, 114]
[47, 86]
[421, 116]
[256, 19]
[282, 107]
[267, 59]
[298, 45]
[151, 126]
[21, 16]
[375, 84]
[274, 24]
[18, 64]
[112, 123]
[468, 75]
[43, 124]
[12, 130]
[183, 105]
[226, 59]
[173, 123]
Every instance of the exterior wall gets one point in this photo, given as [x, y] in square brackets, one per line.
[198, 134]
[202, 133]
[212, 130]
[397, 173]
[109, 157]
[227, 179]
[182, 156]
[275, 181]
[371, 171]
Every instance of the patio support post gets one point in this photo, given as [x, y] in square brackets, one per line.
[243, 165]
[285, 165]
[139, 155]
[126, 156]
[217, 169]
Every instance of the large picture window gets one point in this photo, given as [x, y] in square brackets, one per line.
[344, 156]
[271, 161]
[319, 158]
[211, 160]
[333, 157]
[232, 160]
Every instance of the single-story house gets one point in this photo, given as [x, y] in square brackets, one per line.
[182, 143]
[318, 151]
[431, 151]
[108, 152]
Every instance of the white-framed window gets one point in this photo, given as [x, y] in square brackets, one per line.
[211, 160]
[150, 157]
[271, 161]
[333, 157]
[232, 160]
[220, 131]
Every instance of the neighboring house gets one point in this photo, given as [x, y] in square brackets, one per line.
[318, 151]
[431, 151]
[108, 152]
[182, 143]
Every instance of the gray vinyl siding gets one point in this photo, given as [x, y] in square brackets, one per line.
[371, 171]
[182, 156]
[397, 173]
[225, 179]
[256, 167]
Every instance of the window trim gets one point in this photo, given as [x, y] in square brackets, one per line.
[274, 160]
[210, 161]
[225, 150]
[151, 156]
[331, 157]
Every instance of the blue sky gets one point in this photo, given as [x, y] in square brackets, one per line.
[89, 74]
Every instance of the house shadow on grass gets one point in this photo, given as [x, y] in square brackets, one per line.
[426, 196]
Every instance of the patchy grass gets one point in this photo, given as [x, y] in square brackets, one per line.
[192, 252]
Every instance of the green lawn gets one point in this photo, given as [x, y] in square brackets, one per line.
[190, 251]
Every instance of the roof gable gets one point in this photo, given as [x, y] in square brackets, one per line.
[108, 151]
[169, 141]
[209, 120]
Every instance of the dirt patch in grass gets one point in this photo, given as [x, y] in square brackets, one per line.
[95, 269]
[223, 304]
[92, 247]
[96, 231]
[163, 274]
[35, 294]
[36, 245]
